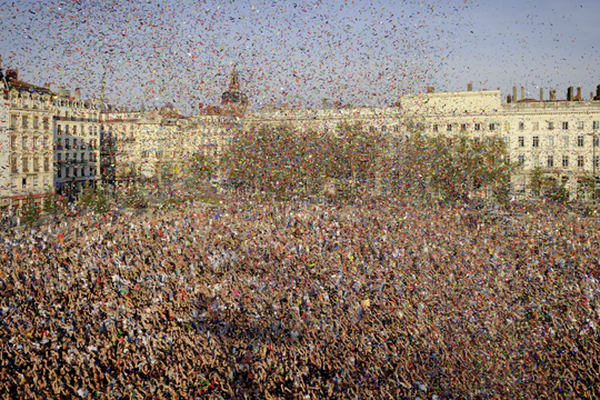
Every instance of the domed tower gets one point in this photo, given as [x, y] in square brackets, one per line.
[234, 95]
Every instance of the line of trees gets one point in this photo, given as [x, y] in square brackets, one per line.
[454, 167]
[553, 186]
[351, 162]
[282, 161]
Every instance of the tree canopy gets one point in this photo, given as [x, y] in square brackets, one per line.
[453, 167]
[284, 161]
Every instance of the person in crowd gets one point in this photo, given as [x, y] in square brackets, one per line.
[302, 301]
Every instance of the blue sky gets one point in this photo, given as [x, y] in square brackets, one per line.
[152, 52]
[547, 44]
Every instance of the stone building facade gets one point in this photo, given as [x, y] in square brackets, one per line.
[560, 137]
[76, 134]
[26, 149]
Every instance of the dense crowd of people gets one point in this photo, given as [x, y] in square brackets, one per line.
[302, 301]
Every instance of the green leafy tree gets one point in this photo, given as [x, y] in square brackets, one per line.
[356, 158]
[502, 192]
[201, 168]
[554, 189]
[264, 159]
[536, 180]
[586, 188]
[100, 202]
[87, 197]
[31, 210]
[50, 203]
[452, 167]
[94, 199]
[282, 161]
[549, 185]
[558, 194]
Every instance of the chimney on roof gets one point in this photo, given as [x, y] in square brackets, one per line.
[430, 89]
[578, 95]
[541, 94]
[570, 93]
[470, 87]
[597, 93]
[77, 93]
[553, 95]
[522, 93]
[514, 93]
[509, 99]
[12, 75]
[47, 86]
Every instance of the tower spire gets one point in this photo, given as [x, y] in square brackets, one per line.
[234, 94]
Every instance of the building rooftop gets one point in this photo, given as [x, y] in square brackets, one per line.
[234, 94]
[12, 79]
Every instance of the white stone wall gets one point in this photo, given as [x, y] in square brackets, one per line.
[5, 179]
[478, 102]
[557, 137]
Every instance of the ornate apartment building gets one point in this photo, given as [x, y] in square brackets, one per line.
[557, 136]
[76, 132]
[26, 150]
[560, 137]
[151, 141]
[120, 137]
[163, 140]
